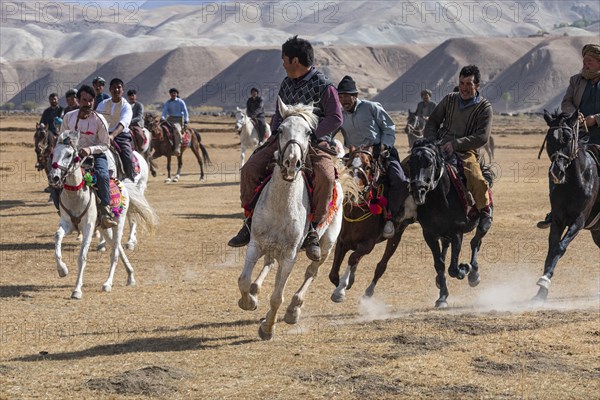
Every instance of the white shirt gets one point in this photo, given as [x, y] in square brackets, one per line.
[93, 131]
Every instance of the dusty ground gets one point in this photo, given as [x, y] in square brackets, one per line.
[180, 334]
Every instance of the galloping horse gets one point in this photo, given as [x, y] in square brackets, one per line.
[362, 227]
[280, 221]
[43, 149]
[79, 212]
[575, 200]
[415, 125]
[161, 146]
[442, 215]
[248, 133]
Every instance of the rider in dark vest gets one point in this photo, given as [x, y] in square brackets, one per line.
[303, 84]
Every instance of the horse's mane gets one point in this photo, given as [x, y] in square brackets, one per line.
[304, 111]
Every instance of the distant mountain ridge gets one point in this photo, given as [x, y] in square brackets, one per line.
[213, 52]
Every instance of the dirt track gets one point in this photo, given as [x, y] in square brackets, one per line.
[180, 334]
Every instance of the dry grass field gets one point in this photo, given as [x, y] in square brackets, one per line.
[179, 333]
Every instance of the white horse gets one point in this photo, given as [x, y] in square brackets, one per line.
[79, 212]
[248, 133]
[280, 221]
[141, 181]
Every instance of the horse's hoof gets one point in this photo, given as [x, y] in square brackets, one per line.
[264, 335]
[292, 315]
[101, 248]
[248, 303]
[453, 271]
[369, 292]
[175, 180]
[106, 287]
[131, 281]
[474, 278]
[338, 297]
[463, 270]
[62, 271]
[441, 304]
[544, 282]
[168, 180]
[76, 295]
[130, 246]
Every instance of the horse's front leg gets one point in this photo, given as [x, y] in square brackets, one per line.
[339, 294]
[440, 269]
[61, 267]
[347, 279]
[456, 270]
[88, 232]
[286, 263]
[248, 301]
[390, 249]
[150, 161]
[556, 249]
[243, 155]
[168, 180]
[179, 164]
[257, 284]
[474, 278]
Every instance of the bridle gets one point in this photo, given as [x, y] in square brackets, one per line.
[360, 172]
[281, 152]
[572, 146]
[419, 178]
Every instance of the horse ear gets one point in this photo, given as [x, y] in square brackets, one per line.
[547, 117]
[283, 109]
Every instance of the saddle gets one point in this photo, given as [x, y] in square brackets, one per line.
[456, 172]
[169, 130]
[117, 201]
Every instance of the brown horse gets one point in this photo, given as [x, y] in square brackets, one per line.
[362, 226]
[43, 149]
[162, 146]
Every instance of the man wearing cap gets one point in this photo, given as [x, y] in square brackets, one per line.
[366, 123]
[175, 112]
[71, 98]
[304, 84]
[583, 94]
[117, 112]
[255, 109]
[98, 84]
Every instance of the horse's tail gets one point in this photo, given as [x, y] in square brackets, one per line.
[488, 173]
[140, 211]
[205, 156]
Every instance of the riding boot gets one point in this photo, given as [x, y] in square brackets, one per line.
[243, 236]
[485, 219]
[106, 218]
[311, 244]
[546, 222]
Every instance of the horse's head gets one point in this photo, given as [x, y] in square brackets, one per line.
[152, 123]
[294, 137]
[561, 142]
[426, 168]
[363, 167]
[65, 158]
[414, 123]
[240, 118]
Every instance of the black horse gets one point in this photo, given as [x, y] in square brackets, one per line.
[442, 215]
[575, 198]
